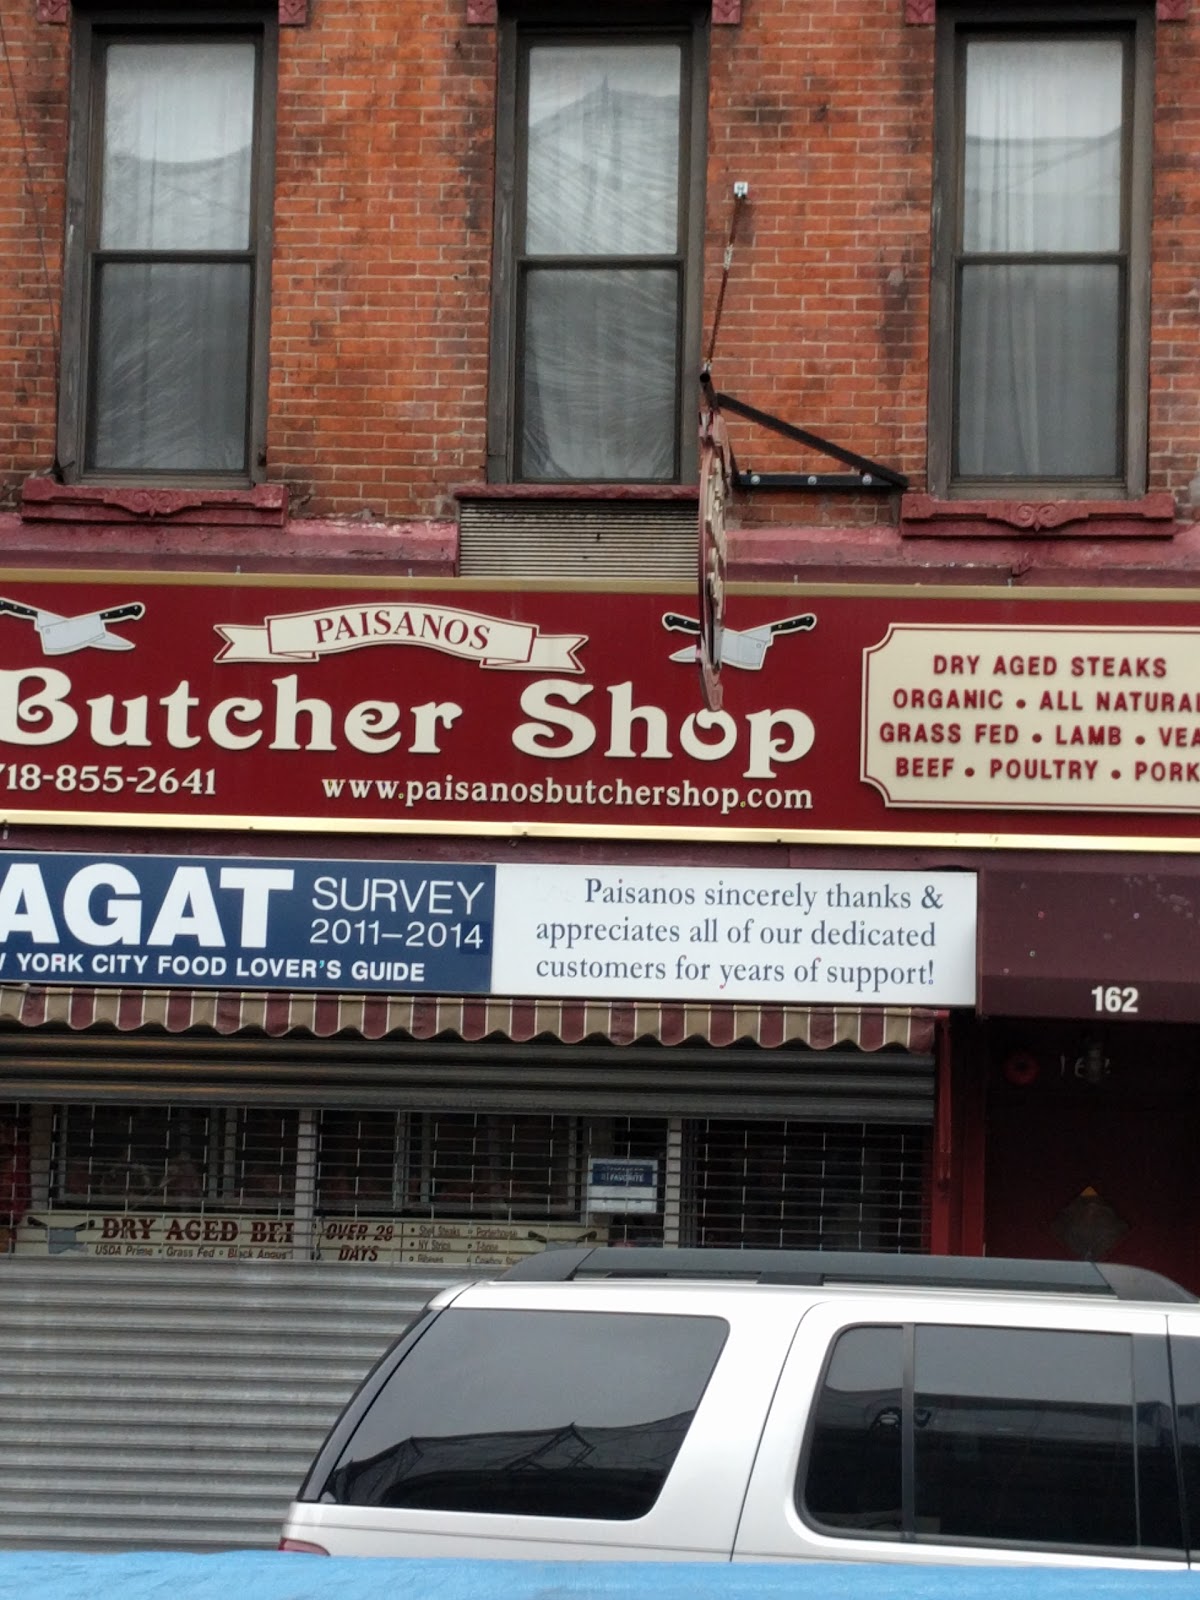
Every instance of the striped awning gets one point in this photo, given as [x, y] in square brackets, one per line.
[469, 1018]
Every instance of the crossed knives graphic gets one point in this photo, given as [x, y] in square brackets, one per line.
[61, 635]
[743, 647]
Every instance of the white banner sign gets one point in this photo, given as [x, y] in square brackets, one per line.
[693, 933]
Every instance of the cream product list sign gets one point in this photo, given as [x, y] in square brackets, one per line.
[1034, 718]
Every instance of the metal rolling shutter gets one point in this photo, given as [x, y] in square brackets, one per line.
[176, 1405]
[844, 1085]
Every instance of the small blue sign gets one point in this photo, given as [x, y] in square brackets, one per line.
[622, 1184]
[624, 1174]
[246, 922]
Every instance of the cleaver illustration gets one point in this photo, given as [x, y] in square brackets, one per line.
[61, 635]
[744, 647]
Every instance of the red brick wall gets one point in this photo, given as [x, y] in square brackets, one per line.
[825, 110]
[33, 137]
[382, 260]
[383, 238]
[1175, 265]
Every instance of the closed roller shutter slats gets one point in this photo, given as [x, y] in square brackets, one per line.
[169, 1403]
[682, 1081]
[160, 1404]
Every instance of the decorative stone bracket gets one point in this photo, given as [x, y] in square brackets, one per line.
[922, 516]
[43, 500]
[292, 13]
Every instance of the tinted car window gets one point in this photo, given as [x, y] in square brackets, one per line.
[1000, 1435]
[1026, 1435]
[550, 1413]
[854, 1463]
[1185, 1367]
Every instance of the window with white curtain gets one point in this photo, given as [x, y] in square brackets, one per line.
[167, 282]
[594, 304]
[1039, 332]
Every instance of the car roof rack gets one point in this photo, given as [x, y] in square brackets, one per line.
[862, 1268]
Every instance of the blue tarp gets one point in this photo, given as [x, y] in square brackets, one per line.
[267, 1575]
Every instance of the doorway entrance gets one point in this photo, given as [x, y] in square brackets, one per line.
[1090, 1146]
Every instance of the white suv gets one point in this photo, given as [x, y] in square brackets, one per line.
[714, 1405]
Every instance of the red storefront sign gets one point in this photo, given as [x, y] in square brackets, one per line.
[394, 706]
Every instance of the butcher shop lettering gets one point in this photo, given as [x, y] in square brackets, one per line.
[37, 709]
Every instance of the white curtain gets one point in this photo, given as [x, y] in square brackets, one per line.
[600, 343]
[172, 342]
[1040, 341]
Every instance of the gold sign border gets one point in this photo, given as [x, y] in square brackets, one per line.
[1109, 594]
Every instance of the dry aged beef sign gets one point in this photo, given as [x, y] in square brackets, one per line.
[390, 706]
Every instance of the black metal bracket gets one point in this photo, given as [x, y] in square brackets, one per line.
[868, 476]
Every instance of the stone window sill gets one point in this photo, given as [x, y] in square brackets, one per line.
[922, 516]
[43, 500]
[292, 13]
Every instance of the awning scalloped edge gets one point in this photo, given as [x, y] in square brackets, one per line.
[324, 1016]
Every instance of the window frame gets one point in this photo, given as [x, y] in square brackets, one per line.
[93, 31]
[1153, 1450]
[686, 24]
[1185, 1377]
[955, 24]
[554, 1386]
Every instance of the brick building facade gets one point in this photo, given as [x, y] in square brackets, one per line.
[384, 190]
[309, 302]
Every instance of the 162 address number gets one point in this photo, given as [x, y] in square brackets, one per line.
[1114, 999]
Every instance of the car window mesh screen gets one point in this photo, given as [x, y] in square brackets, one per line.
[548, 1414]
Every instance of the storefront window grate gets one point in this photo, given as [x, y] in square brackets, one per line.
[14, 1171]
[807, 1186]
[496, 1167]
[139, 1158]
[447, 1188]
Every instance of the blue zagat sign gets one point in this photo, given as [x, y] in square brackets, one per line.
[246, 922]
